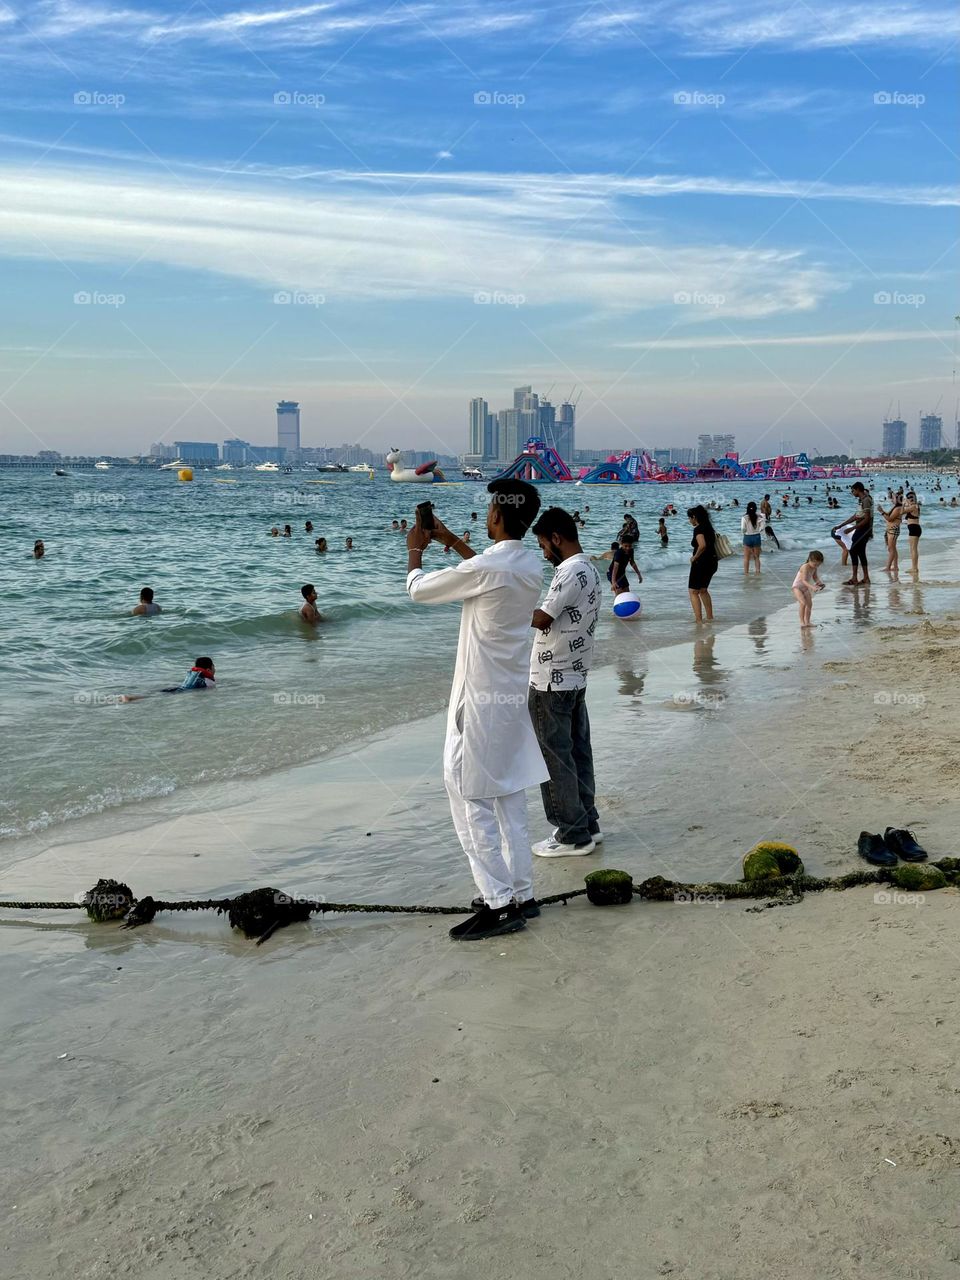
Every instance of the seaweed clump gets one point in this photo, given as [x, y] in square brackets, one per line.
[108, 900]
[916, 878]
[609, 888]
[770, 859]
[259, 913]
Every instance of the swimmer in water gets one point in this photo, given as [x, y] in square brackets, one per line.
[287, 531]
[39, 550]
[308, 527]
[320, 546]
[662, 533]
[395, 527]
[200, 676]
[308, 610]
[274, 532]
[147, 607]
[348, 545]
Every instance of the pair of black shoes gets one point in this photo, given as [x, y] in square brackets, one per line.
[493, 922]
[883, 851]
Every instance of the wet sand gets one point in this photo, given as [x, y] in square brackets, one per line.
[694, 1091]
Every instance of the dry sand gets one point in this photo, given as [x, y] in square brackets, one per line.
[702, 1091]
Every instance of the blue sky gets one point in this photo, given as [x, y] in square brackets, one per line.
[705, 216]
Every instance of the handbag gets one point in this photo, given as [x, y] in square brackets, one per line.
[722, 546]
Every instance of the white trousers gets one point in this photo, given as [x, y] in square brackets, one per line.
[494, 837]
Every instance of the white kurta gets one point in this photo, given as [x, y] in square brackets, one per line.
[491, 748]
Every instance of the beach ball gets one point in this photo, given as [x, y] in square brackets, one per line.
[185, 474]
[627, 605]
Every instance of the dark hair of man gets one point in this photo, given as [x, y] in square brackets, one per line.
[146, 595]
[857, 487]
[518, 502]
[204, 663]
[556, 520]
[307, 590]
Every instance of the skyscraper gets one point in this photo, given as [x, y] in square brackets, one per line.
[519, 394]
[288, 428]
[477, 438]
[704, 449]
[931, 432]
[510, 442]
[894, 437]
[565, 439]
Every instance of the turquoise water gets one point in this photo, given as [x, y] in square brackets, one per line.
[286, 693]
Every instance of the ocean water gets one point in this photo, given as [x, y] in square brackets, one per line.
[286, 693]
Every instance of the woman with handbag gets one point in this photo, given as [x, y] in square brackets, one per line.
[703, 563]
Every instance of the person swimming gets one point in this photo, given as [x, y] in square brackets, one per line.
[320, 546]
[287, 531]
[147, 606]
[202, 675]
[308, 610]
[348, 544]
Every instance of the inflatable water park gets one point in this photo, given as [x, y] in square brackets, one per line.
[539, 463]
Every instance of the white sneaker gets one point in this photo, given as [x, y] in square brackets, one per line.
[596, 836]
[552, 848]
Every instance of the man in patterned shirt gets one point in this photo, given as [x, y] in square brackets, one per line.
[562, 649]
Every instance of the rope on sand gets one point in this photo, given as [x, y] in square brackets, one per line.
[260, 912]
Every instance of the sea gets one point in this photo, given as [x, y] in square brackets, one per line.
[288, 693]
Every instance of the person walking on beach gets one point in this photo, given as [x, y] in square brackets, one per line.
[490, 754]
[862, 524]
[805, 584]
[703, 563]
[911, 513]
[767, 512]
[559, 665]
[752, 525]
[147, 607]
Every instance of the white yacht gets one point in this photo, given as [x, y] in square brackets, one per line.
[224, 466]
[266, 466]
[172, 466]
[101, 465]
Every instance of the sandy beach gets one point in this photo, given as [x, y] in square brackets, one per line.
[710, 1090]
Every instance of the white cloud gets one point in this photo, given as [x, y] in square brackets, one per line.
[794, 340]
[364, 244]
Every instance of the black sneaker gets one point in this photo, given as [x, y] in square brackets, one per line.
[530, 908]
[903, 844]
[873, 848]
[489, 922]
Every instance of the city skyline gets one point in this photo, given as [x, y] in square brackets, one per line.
[736, 221]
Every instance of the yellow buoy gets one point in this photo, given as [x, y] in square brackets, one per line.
[185, 474]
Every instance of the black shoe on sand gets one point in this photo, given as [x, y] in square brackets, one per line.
[530, 908]
[489, 922]
[874, 849]
[903, 843]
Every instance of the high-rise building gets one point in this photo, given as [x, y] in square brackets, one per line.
[894, 437]
[519, 395]
[662, 458]
[477, 436]
[165, 452]
[710, 448]
[491, 448]
[704, 449]
[235, 451]
[288, 428]
[931, 432]
[197, 450]
[510, 442]
[683, 457]
[724, 444]
[565, 441]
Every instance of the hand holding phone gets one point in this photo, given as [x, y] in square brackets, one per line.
[425, 517]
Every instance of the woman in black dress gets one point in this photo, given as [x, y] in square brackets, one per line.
[703, 563]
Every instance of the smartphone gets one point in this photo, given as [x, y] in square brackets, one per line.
[425, 515]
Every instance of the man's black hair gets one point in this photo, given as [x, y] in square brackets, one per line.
[556, 520]
[146, 595]
[518, 502]
[203, 662]
[306, 589]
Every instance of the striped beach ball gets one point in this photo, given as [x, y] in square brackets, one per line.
[627, 605]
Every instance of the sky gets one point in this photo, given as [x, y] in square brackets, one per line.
[702, 216]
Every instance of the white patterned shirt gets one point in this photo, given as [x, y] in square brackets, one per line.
[562, 654]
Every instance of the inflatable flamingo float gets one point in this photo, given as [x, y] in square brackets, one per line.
[428, 473]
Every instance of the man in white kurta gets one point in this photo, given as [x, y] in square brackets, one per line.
[491, 754]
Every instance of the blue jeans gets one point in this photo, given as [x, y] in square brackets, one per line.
[562, 727]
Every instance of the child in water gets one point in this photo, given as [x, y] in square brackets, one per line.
[805, 584]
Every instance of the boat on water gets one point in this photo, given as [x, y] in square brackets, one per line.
[266, 466]
[332, 466]
[59, 472]
[472, 473]
[101, 465]
[224, 466]
[172, 466]
[361, 468]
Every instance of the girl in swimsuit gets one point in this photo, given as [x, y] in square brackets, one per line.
[893, 517]
[911, 513]
[805, 584]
